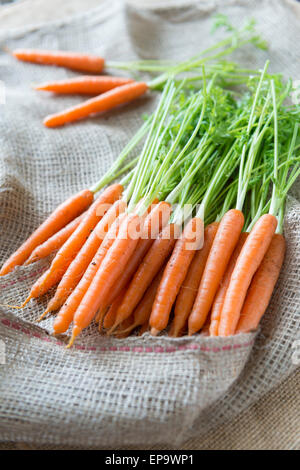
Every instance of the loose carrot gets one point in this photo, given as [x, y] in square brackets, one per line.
[190, 285]
[110, 316]
[87, 85]
[99, 104]
[71, 60]
[62, 215]
[220, 296]
[55, 242]
[143, 310]
[151, 264]
[223, 245]
[69, 250]
[250, 258]
[262, 286]
[107, 274]
[66, 313]
[83, 258]
[154, 223]
[185, 248]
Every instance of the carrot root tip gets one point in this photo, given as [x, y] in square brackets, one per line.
[154, 331]
[40, 318]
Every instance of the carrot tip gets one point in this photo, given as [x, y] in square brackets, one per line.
[40, 318]
[18, 307]
[75, 333]
[154, 332]
[112, 329]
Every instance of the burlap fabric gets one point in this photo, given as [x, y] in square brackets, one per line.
[135, 391]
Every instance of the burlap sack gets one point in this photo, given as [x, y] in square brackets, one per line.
[108, 392]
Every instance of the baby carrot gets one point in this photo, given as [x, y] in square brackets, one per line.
[223, 245]
[108, 272]
[87, 85]
[110, 316]
[66, 313]
[69, 250]
[220, 296]
[83, 258]
[104, 102]
[251, 256]
[185, 248]
[55, 242]
[62, 215]
[262, 286]
[149, 267]
[190, 285]
[71, 60]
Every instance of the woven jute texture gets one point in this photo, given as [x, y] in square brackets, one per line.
[138, 391]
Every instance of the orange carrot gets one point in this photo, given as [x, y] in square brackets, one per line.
[109, 100]
[62, 215]
[223, 245]
[71, 60]
[151, 264]
[190, 285]
[107, 274]
[66, 313]
[143, 310]
[87, 85]
[110, 316]
[250, 258]
[154, 223]
[55, 242]
[185, 248]
[83, 258]
[262, 286]
[41, 287]
[220, 296]
[69, 250]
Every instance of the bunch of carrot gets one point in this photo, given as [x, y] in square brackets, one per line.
[190, 238]
[109, 92]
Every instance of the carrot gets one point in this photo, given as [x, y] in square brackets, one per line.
[250, 258]
[83, 258]
[55, 242]
[71, 60]
[107, 274]
[110, 316]
[143, 310]
[123, 329]
[144, 328]
[62, 215]
[174, 274]
[190, 285]
[87, 85]
[151, 264]
[154, 223]
[220, 296]
[262, 286]
[223, 245]
[66, 313]
[109, 100]
[69, 250]
[205, 328]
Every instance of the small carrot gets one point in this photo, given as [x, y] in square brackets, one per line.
[110, 316]
[149, 267]
[154, 223]
[223, 245]
[249, 260]
[83, 258]
[55, 242]
[62, 215]
[66, 313]
[41, 287]
[220, 296]
[71, 60]
[262, 286]
[69, 250]
[104, 102]
[190, 285]
[143, 310]
[107, 274]
[87, 85]
[185, 248]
